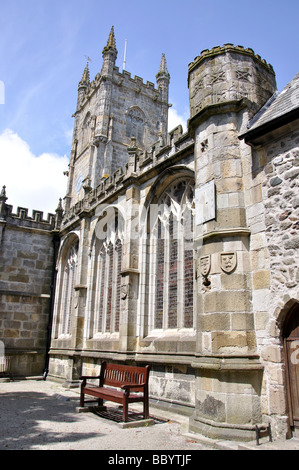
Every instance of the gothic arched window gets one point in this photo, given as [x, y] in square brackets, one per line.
[105, 282]
[68, 288]
[65, 294]
[171, 258]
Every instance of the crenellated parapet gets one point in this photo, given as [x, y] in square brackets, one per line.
[226, 74]
[140, 165]
[22, 218]
[217, 50]
[120, 79]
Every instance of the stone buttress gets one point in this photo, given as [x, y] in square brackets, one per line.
[227, 85]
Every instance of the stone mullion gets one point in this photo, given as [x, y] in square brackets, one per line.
[91, 301]
[188, 272]
[180, 275]
[118, 267]
[64, 296]
[106, 291]
[71, 282]
[165, 322]
[57, 305]
[114, 271]
[153, 248]
[110, 290]
[101, 291]
[159, 275]
[145, 288]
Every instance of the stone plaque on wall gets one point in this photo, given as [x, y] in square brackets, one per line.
[228, 261]
[205, 207]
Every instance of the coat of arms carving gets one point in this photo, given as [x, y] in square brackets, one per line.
[205, 265]
[228, 261]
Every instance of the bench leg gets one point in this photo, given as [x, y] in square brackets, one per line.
[125, 411]
[145, 409]
[82, 399]
[100, 402]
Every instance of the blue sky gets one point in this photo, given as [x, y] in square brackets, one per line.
[44, 46]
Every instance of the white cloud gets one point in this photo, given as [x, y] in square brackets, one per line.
[174, 119]
[35, 182]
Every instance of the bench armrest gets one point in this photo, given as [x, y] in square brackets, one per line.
[85, 377]
[131, 387]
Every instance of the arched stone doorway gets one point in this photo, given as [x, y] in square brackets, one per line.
[291, 349]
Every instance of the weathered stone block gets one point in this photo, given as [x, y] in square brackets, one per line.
[230, 341]
[215, 321]
[227, 302]
[261, 279]
[234, 281]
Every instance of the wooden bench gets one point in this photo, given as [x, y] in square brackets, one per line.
[131, 386]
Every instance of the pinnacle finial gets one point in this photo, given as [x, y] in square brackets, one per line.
[111, 44]
[59, 215]
[85, 80]
[163, 72]
[3, 192]
[59, 207]
[3, 200]
[111, 39]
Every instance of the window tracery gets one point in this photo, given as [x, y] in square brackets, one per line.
[66, 303]
[106, 279]
[171, 259]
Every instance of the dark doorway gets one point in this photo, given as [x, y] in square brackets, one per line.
[291, 347]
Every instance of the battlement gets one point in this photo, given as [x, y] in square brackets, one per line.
[160, 153]
[229, 48]
[119, 79]
[136, 79]
[22, 217]
[226, 74]
[121, 76]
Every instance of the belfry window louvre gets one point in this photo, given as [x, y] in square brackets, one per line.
[135, 124]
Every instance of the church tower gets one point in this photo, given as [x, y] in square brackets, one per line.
[112, 111]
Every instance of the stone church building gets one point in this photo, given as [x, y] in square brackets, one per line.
[178, 250]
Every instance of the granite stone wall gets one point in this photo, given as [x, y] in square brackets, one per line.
[26, 259]
[273, 217]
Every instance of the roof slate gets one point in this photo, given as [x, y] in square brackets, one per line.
[278, 105]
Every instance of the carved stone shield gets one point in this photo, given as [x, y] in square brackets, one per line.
[228, 261]
[205, 265]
